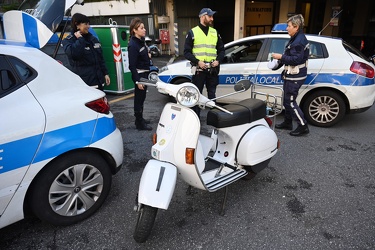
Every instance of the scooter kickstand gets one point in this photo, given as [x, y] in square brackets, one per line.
[222, 212]
[188, 191]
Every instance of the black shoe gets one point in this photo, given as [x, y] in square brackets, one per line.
[300, 130]
[285, 125]
[142, 126]
[146, 121]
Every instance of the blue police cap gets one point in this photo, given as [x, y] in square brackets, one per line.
[206, 11]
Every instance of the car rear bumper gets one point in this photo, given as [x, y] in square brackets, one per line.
[360, 98]
[113, 145]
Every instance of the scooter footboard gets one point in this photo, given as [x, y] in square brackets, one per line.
[157, 184]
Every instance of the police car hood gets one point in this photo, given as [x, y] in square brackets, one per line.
[35, 21]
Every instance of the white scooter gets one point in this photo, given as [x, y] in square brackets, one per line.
[242, 142]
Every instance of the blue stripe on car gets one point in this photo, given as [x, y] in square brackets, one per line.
[329, 78]
[169, 78]
[30, 26]
[275, 79]
[7, 42]
[53, 143]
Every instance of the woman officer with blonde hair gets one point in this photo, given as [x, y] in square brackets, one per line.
[294, 75]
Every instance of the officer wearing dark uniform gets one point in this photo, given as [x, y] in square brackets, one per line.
[85, 53]
[139, 65]
[294, 75]
[205, 50]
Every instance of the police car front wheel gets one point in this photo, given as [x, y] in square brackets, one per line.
[324, 108]
[71, 188]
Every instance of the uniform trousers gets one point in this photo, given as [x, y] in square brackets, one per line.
[200, 79]
[292, 110]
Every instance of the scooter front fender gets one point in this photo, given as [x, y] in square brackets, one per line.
[157, 184]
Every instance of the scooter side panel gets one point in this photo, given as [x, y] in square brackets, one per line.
[157, 184]
[178, 130]
[258, 145]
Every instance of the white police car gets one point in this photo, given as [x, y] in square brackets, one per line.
[340, 79]
[59, 144]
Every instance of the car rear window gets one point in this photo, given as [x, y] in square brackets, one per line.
[317, 50]
[14, 73]
[348, 47]
[24, 71]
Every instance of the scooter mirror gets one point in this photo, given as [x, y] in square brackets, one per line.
[242, 85]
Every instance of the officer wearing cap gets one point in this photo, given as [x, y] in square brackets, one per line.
[205, 50]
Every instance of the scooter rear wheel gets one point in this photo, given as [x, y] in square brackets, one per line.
[145, 222]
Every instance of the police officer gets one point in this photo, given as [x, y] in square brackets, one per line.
[294, 74]
[139, 66]
[205, 50]
[85, 53]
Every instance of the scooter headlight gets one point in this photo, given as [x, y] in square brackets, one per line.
[188, 96]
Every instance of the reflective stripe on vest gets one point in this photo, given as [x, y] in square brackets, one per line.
[205, 46]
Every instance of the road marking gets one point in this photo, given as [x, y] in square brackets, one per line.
[121, 98]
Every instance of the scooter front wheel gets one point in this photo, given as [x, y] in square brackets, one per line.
[145, 222]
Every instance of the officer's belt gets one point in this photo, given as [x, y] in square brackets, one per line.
[208, 67]
[299, 66]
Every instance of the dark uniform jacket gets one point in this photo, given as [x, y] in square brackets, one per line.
[296, 54]
[138, 57]
[86, 58]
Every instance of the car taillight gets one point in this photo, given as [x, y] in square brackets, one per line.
[362, 69]
[101, 105]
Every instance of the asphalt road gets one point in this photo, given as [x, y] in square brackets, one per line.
[317, 193]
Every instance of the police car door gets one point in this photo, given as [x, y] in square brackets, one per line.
[241, 62]
[22, 123]
[277, 45]
[265, 75]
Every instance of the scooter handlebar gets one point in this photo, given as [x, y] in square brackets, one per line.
[148, 82]
[204, 101]
[224, 110]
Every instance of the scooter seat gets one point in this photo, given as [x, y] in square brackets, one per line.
[245, 111]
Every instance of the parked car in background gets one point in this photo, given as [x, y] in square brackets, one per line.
[340, 79]
[59, 144]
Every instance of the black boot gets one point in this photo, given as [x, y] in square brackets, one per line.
[300, 130]
[140, 122]
[145, 121]
[286, 124]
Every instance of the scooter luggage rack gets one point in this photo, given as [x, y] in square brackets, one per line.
[274, 101]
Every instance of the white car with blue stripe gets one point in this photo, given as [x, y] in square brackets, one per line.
[59, 144]
[340, 79]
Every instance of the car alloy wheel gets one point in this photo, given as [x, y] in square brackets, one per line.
[71, 188]
[324, 108]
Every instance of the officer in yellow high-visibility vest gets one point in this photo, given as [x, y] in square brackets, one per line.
[205, 50]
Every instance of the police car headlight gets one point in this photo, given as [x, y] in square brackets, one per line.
[188, 96]
[165, 68]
